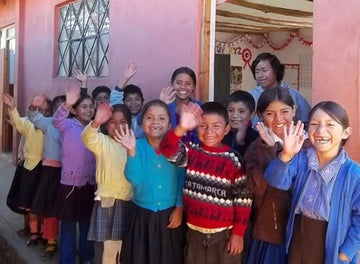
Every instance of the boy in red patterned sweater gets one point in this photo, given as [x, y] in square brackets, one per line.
[216, 201]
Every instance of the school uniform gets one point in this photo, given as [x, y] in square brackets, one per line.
[157, 187]
[75, 197]
[114, 192]
[339, 184]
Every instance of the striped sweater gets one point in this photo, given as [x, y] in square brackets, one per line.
[214, 194]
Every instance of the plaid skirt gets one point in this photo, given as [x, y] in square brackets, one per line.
[108, 223]
[44, 198]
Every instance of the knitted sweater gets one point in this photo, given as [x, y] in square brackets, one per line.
[214, 193]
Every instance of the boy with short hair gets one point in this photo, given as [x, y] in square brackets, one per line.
[216, 201]
[241, 109]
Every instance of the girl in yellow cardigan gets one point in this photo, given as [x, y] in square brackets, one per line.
[33, 150]
[114, 192]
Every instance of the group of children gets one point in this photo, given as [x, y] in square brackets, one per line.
[178, 181]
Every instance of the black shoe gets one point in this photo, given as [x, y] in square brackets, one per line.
[33, 240]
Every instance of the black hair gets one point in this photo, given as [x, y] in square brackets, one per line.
[185, 70]
[82, 98]
[57, 99]
[122, 109]
[133, 89]
[277, 66]
[154, 102]
[272, 95]
[335, 111]
[242, 96]
[100, 89]
[215, 108]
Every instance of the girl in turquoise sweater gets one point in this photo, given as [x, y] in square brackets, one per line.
[154, 234]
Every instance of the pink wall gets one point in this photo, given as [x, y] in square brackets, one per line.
[157, 35]
[336, 60]
[7, 13]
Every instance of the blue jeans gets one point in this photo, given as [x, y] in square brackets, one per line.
[68, 242]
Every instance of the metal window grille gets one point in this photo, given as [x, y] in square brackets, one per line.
[84, 38]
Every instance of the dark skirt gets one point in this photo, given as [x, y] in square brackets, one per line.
[12, 197]
[28, 185]
[109, 223]
[148, 240]
[44, 199]
[74, 203]
[308, 241]
[261, 252]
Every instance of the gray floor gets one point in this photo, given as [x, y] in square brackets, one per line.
[13, 248]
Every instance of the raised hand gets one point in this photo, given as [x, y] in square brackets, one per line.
[8, 100]
[130, 71]
[72, 95]
[125, 137]
[190, 116]
[38, 100]
[293, 141]
[265, 134]
[167, 95]
[80, 76]
[103, 113]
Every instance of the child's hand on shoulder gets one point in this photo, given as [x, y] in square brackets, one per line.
[103, 113]
[8, 100]
[175, 218]
[72, 95]
[126, 138]
[235, 244]
[265, 134]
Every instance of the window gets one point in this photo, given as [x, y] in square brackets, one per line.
[83, 41]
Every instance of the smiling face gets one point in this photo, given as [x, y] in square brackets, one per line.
[134, 102]
[156, 122]
[212, 129]
[239, 114]
[326, 134]
[183, 86]
[265, 75]
[278, 115]
[116, 121]
[84, 111]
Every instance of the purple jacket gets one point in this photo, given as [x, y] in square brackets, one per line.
[78, 163]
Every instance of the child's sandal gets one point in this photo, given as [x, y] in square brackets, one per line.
[50, 251]
[33, 240]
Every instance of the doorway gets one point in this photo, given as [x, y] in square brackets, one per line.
[7, 61]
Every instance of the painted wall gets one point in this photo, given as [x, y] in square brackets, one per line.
[336, 60]
[7, 13]
[158, 36]
[294, 53]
